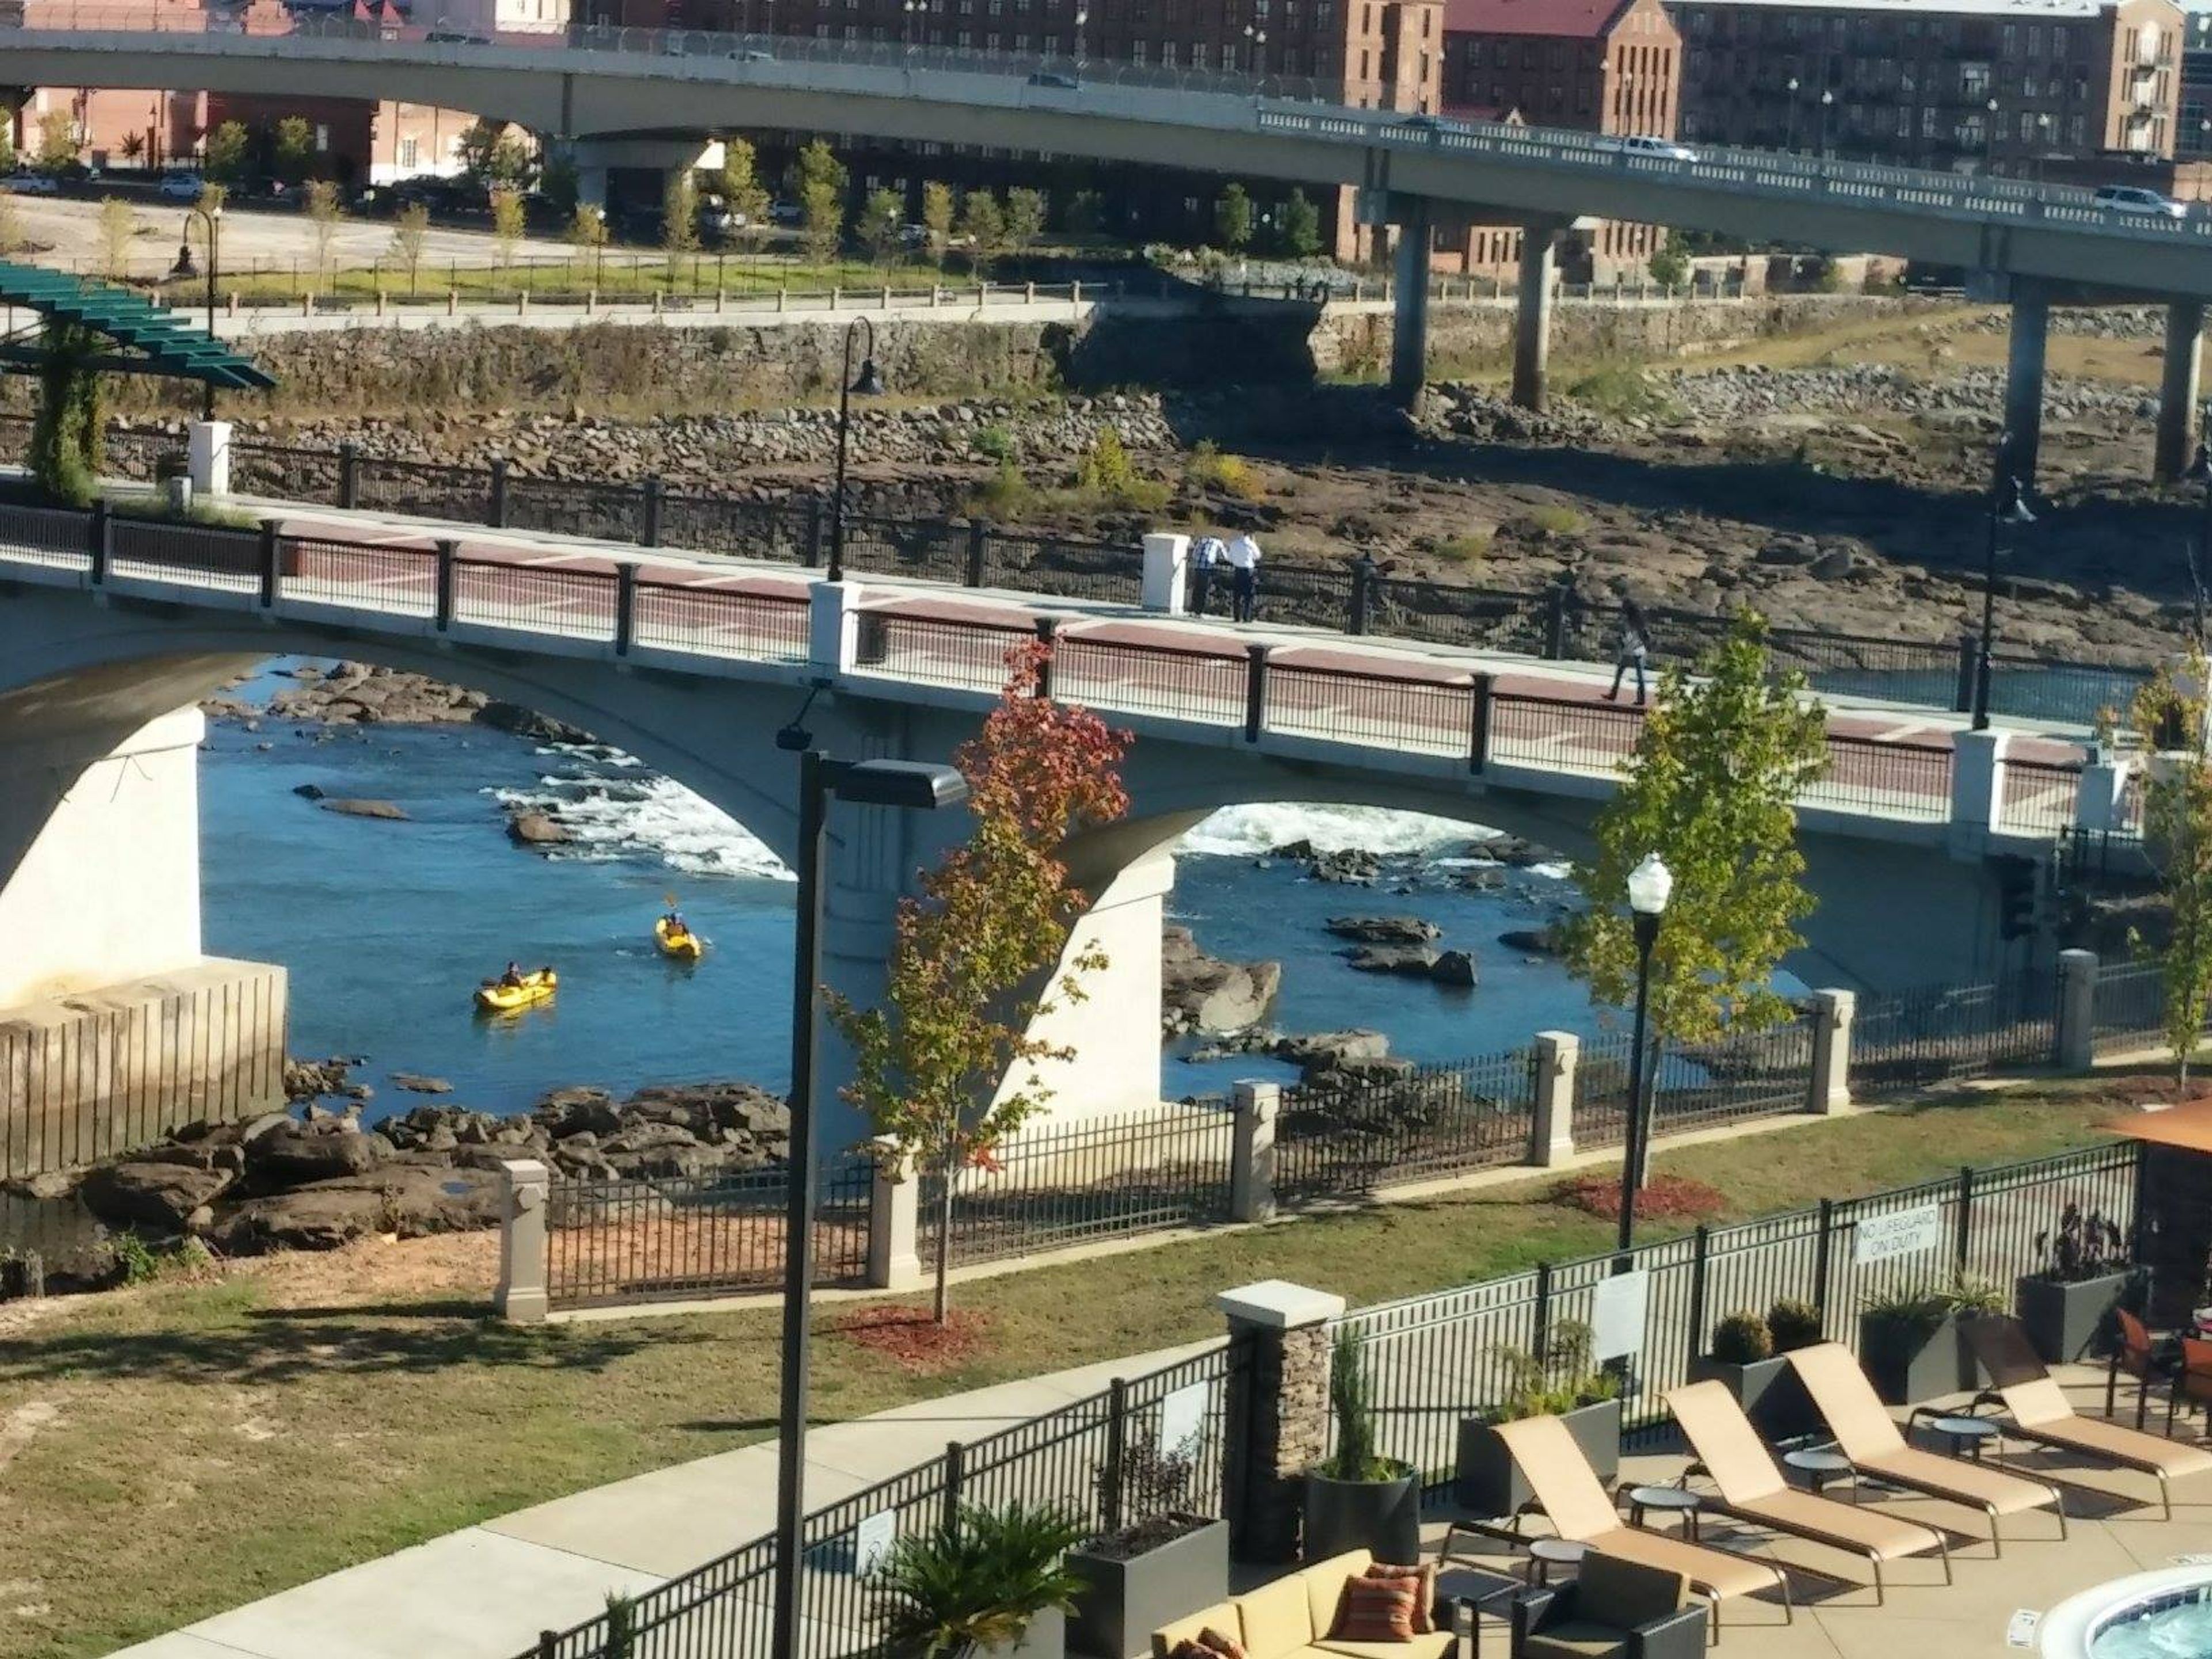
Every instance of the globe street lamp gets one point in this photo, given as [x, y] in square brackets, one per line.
[2007, 505]
[183, 271]
[1082, 17]
[1650, 884]
[905, 786]
[1791, 119]
[1827, 103]
[1990, 139]
[869, 383]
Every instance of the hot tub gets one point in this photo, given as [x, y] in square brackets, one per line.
[2166, 1615]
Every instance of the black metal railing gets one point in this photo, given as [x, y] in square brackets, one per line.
[1904, 1040]
[1340, 1136]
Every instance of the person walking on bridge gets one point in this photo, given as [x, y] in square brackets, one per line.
[1634, 646]
[1243, 556]
[1211, 555]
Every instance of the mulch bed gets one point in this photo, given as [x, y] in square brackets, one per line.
[1664, 1198]
[912, 1341]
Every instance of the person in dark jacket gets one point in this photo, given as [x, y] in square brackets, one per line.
[1634, 646]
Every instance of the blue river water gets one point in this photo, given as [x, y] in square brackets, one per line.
[386, 926]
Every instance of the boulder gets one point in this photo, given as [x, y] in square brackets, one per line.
[1384, 930]
[362, 809]
[1531, 941]
[1412, 962]
[1200, 993]
[416, 1083]
[1454, 968]
[538, 830]
[148, 1192]
[407, 1200]
[567, 1111]
[1323, 1051]
[297, 1156]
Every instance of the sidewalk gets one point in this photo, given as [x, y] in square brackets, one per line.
[486, 1591]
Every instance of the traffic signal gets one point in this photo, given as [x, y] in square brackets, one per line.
[2018, 893]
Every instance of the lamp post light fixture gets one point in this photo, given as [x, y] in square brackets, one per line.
[1650, 884]
[1082, 18]
[869, 383]
[1827, 103]
[2200, 556]
[906, 786]
[1990, 138]
[2007, 505]
[1791, 117]
[183, 271]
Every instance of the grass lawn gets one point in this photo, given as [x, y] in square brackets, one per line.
[169, 1452]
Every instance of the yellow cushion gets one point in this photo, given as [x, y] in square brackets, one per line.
[1437, 1645]
[1324, 1582]
[1222, 1616]
[1576, 1640]
[1276, 1620]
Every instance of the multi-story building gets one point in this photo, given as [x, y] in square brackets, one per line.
[1610, 66]
[2002, 85]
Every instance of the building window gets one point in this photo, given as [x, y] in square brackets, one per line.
[1137, 51]
[1167, 54]
[1973, 80]
[410, 154]
[322, 140]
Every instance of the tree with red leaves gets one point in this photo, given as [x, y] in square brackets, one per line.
[973, 968]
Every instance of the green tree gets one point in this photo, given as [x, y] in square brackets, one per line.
[325, 213]
[68, 432]
[937, 218]
[2177, 837]
[1233, 219]
[680, 223]
[410, 239]
[1669, 265]
[820, 220]
[117, 225]
[1086, 213]
[818, 164]
[587, 231]
[742, 193]
[1300, 226]
[508, 222]
[223, 156]
[494, 154]
[1718, 764]
[946, 1064]
[7, 147]
[1025, 216]
[984, 225]
[12, 224]
[57, 140]
[883, 218]
[294, 151]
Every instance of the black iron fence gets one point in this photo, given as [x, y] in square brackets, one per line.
[2127, 1007]
[1347, 1135]
[1906, 1040]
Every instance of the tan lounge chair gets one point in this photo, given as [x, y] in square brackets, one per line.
[1752, 1487]
[1573, 1499]
[1866, 1434]
[2042, 1415]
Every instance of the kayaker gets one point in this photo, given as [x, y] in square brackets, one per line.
[512, 979]
[678, 926]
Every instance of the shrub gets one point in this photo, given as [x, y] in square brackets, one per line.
[1669, 265]
[1107, 474]
[1793, 1324]
[1351, 1402]
[1007, 495]
[135, 1261]
[1559, 1379]
[995, 442]
[1556, 521]
[1742, 1339]
[1623, 392]
[1232, 475]
[1472, 547]
[2082, 1246]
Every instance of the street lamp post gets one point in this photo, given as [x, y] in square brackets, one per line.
[1082, 17]
[2200, 559]
[1651, 883]
[869, 383]
[1827, 103]
[1990, 139]
[1791, 119]
[2042, 144]
[909, 785]
[183, 269]
[2008, 505]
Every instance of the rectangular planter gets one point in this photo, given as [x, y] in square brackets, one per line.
[1123, 1602]
[1910, 1366]
[1767, 1389]
[1484, 1481]
[2068, 1322]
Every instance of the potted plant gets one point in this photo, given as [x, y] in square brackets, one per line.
[1743, 1356]
[993, 1584]
[1561, 1383]
[2067, 1304]
[1159, 1567]
[1355, 1497]
[1911, 1343]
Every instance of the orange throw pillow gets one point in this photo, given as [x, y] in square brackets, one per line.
[1220, 1646]
[1375, 1610]
[1422, 1580]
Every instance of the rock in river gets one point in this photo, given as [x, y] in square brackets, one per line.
[1199, 993]
[1385, 930]
[1412, 961]
[538, 830]
[362, 809]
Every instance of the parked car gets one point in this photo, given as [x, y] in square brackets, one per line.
[785, 213]
[181, 187]
[456, 37]
[1055, 78]
[32, 184]
[2134, 198]
[1665, 148]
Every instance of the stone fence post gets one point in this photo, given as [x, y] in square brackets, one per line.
[1977, 788]
[2077, 1010]
[834, 626]
[1552, 1127]
[1167, 560]
[525, 1185]
[894, 1221]
[1278, 1425]
[1252, 1162]
[1830, 1086]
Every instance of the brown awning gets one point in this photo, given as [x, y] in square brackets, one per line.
[2189, 1126]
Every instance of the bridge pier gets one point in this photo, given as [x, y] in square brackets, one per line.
[2179, 416]
[2023, 407]
[1409, 327]
[1531, 333]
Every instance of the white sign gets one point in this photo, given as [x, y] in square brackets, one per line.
[1182, 1421]
[1617, 1311]
[1901, 1232]
[872, 1542]
[2021, 1633]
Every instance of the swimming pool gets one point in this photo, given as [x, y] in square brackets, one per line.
[2166, 1615]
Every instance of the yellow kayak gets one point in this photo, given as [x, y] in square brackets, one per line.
[680, 944]
[493, 998]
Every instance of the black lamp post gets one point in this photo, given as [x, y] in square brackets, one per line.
[1827, 103]
[1789, 120]
[2200, 557]
[2008, 505]
[183, 271]
[1651, 883]
[1990, 139]
[869, 383]
[909, 785]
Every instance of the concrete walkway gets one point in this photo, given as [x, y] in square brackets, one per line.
[485, 1592]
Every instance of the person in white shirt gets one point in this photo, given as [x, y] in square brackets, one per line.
[1243, 556]
[1212, 554]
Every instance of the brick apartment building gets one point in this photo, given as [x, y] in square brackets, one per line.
[2006, 86]
[1611, 66]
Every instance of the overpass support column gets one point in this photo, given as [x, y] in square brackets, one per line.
[1409, 330]
[2023, 411]
[1531, 333]
[2177, 389]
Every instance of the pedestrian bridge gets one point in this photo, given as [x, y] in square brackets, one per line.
[109, 626]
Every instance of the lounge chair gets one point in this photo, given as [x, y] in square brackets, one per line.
[1865, 1433]
[1752, 1488]
[1573, 1499]
[2042, 1415]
